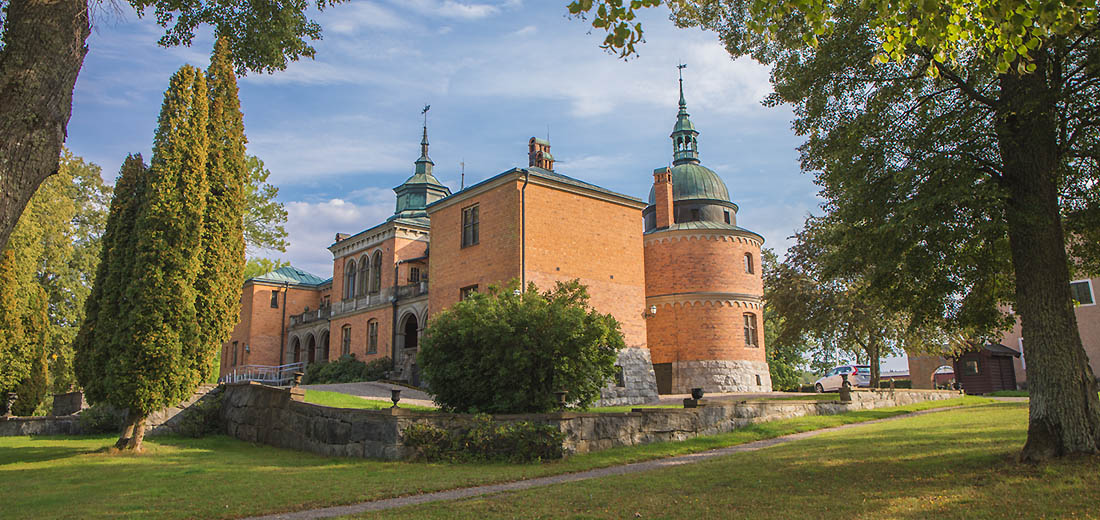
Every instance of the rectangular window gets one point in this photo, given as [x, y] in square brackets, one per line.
[694, 215]
[470, 221]
[1082, 292]
[414, 275]
[970, 368]
[751, 339]
[727, 212]
[372, 337]
[465, 292]
[345, 345]
[234, 353]
[748, 263]
[275, 299]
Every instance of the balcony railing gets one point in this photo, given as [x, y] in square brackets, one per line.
[270, 375]
[310, 316]
[384, 296]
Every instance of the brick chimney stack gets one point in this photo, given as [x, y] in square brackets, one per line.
[538, 154]
[662, 187]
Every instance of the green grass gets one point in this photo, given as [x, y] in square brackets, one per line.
[956, 464]
[338, 400]
[1009, 393]
[219, 477]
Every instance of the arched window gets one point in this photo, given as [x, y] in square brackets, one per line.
[345, 342]
[376, 272]
[748, 263]
[349, 280]
[364, 269]
[297, 350]
[751, 339]
[372, 337]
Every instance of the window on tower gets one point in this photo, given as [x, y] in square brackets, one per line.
[470, 224]
[748, 263]
[751, 339]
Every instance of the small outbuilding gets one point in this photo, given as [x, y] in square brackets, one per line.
[987, 369]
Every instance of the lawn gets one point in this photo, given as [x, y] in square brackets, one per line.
[219, 477]
[338, 400]
[957, 464]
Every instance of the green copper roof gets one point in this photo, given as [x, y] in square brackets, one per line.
[291, 275]
[694, 181]
[703, 224]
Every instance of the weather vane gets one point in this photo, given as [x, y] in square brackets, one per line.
[425, 113]
[682, 66]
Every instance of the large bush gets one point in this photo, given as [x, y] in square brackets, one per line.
[346, 370]
[507, 351]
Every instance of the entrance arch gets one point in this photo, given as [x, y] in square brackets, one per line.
[312, 349]
[296, 348]
[324, 346]
[411, 328]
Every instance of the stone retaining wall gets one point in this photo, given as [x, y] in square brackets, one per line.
[279, 417]
[158, 423]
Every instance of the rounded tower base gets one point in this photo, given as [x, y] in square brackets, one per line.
[720, 376]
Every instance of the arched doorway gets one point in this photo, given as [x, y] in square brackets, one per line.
[296, 348]
[410, 329]
[324, 346]
[312, 349]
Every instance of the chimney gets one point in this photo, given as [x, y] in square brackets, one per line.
[662, 187]
[538, 154]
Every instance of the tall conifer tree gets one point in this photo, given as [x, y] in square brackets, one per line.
[218, 284]
[152, 363]
[14, 355]
[99, 330]
[32, 390]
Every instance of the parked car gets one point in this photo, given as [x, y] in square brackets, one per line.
[858, 375]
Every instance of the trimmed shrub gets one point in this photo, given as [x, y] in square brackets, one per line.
[486, 440]
[898, 383]
[509, 351]
[347, 369]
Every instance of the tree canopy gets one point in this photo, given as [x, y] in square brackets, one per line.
[264, 216]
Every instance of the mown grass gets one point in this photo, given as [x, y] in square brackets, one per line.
[339, 400]
[955, 464]
[1009, 393]
[219, 477]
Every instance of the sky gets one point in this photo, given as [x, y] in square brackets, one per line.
[339, 132]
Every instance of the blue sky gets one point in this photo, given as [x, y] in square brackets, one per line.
[339, 132]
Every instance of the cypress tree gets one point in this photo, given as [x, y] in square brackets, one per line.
[218, 284]
[32, 390]
[152, 360]
[14, 355]
[93, 346]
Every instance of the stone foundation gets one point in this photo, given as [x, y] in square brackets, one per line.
[640, 385]
[720, 376]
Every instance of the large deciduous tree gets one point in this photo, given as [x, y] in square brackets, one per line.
[965, 168]
[264, 216]
[42, 48]
[15, 354]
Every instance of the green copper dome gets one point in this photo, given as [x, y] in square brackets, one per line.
[694, 181]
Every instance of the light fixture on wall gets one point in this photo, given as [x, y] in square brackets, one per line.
[649, 313]
[247, 348]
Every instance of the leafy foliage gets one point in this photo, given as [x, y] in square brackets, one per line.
[485, 440]
[204, 416]
[347, 369]
[785, 359]
[34, 388]
[1003, 32]
[509, 351]
[257, 266]
[15, 352]
[101, 418]
[56, 247]
[264, 216]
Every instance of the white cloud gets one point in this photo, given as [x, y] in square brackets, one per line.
[312, 226]
[526, 31]
[452, 9]
[354, 17]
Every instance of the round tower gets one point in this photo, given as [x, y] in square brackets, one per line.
[702, 279]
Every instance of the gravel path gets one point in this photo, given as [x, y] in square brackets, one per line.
[376, 390]
[455, 494]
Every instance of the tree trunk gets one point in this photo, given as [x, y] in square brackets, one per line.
[138, 437]
[43, 50]
[1064, 411]
[127, 431]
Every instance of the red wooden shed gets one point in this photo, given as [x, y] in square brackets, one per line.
[987, 369]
